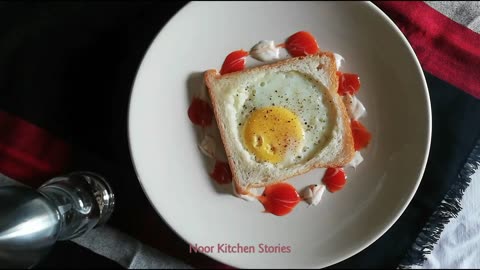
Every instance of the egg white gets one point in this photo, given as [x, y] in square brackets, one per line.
[294, 91]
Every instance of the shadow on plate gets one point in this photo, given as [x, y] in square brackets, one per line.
[196, 88]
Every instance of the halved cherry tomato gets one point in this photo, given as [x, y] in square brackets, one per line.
[221, 172]
[348, 83]
[361, 136]
[200, 112]
[334, 179]
[279, 199]
[235, 61]
[301, 43]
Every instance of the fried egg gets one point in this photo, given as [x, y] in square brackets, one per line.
[283, 118]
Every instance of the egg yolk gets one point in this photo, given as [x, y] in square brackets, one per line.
[272, 132]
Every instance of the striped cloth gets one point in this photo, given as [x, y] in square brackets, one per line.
[445, 36]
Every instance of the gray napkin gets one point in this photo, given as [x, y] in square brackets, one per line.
[127, 251]
[466, 13]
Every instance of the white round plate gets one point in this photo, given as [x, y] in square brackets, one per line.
[172, 170]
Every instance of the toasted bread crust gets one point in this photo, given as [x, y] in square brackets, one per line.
[347, 151]
[209, 76]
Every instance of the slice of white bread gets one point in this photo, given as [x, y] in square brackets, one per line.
[336, 149]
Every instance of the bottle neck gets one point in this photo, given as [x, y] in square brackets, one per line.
[83, 201]
[70, 212]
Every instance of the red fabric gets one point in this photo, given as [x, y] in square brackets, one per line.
[446, 49]
[28, 153]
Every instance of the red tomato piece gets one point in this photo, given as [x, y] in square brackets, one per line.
[334, 179]
[361, 136]
[235, 61]
[301, 43]
[279, 199]
[348, 83]
[221, 173]
[200, 112]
